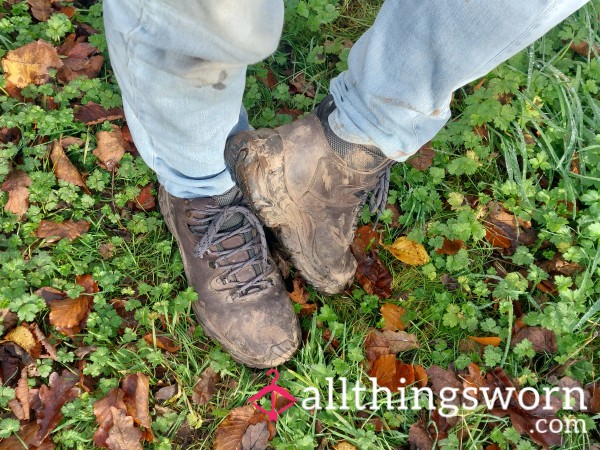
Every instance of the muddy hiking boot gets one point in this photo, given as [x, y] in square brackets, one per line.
[309, 186]
[242, 301]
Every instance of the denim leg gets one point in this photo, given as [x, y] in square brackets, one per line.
[402, 71]
[181, 67]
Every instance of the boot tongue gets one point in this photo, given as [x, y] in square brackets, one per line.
[236, 221]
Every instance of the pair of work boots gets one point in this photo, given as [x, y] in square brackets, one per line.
[307, 185]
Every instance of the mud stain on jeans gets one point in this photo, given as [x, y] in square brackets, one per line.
[219, 85]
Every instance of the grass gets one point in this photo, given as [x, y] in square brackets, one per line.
[526, 160]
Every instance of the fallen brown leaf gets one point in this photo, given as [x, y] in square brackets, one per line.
[392, 317]
[64, 168]
[20, 405]
[166, 393]
[13, 359]
[442, 378]
[421, 376]
[16, 184]
[423, 159]
[378, 343]
[594, 403]
[136, 388]
[58, 230]
[30, 64]
[8, 319]
[558, 265]
[505, 231]
[373, 276]
[41, 9]
[123, 435]
[28, 435]
[93, 114]
[583, 48]
[542, 339]
[102, 411]
[82, 60]
[419, 438]
[162, 342]
[111, 147]
[231, 431]
[60, 390]
[205, 387]
[451, 247]
[299, 85]
[343, 445]
[491, 340]
[145, 201]
[256, 437]
[299, 294]
[409, 252]
[50, 349]
[69, 315]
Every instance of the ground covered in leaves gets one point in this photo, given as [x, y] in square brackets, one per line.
[482, 272]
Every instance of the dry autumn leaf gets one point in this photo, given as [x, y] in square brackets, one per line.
[423, 158]
[102, 411]
[82, 60]
[409, 252]
[64, 168]
[205, 387]
[93, 114]
[505, 231]
[60, 390]
[123, 435]
[13, 359]
[421, 377]
[343, 445]
[391, 373]
[111, 147]
[20, 405]
[256, 437]
[68, 315]
[231, 431]
[392, 317]
[136, 388]
[22, 336]
[41, 9]
[145, 201]
[419, 438]
[451, 247]
[378, 343]
[16, 184]
[542, 339]
[373, 276]
[30, 64]
[58, 230]
[162, 342]
[491, 340]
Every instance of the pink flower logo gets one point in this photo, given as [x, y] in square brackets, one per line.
[277, 393]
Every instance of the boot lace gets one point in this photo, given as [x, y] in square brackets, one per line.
[208, 224]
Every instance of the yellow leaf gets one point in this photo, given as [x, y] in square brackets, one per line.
[22, 337]
[409, 252]
[343, 445]
[30, 64]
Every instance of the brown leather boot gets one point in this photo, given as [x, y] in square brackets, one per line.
[308, 186]
[242, 301]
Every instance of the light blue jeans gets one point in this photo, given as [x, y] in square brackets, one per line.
[181, 66]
